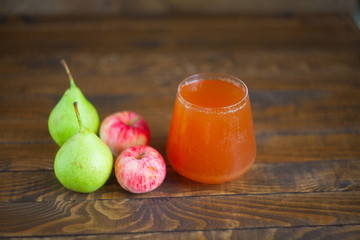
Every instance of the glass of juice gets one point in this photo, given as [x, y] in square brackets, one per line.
[211, 138]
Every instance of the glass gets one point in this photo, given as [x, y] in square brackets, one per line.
[211, 138]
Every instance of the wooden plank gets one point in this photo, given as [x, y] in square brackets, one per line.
[277, 143]
[39, 156]
[35, 131]
[139, 36]
[28, 156]
[280, 147]
[126, 90]
[328, 145]
[156, 7]
[345, 232]
[313, 106]
[178, 24]
[22, 108]
[290, 111]
[300, 177]
[178, 214]
[122, 74]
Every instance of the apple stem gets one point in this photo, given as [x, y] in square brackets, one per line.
[72, 83]
[141, 155]
[133, 121]
[78, 115]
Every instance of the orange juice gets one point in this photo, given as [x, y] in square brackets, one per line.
[211, 138]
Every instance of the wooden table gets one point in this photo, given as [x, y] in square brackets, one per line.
[303, 73]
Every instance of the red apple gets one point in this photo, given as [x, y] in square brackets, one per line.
[124, 129]
[140, 169]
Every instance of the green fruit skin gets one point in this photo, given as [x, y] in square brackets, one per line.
[84, 163]
[63, 123]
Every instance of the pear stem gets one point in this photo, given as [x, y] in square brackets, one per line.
[72, 83]
[78, 115]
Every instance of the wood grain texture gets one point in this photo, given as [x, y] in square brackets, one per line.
[346, 232]
[303, 75]
[276, 147]
[113, 36]
[158, 7]
[178, 214]
[301, 177]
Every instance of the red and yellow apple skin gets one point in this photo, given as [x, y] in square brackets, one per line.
[122, 130]
[140, 169]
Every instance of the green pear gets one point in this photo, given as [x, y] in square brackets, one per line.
[84, 162]
[62, 120]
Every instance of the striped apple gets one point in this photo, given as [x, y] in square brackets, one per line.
[140, 169]
[124, 129]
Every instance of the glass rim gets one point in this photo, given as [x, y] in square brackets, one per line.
[216, 77]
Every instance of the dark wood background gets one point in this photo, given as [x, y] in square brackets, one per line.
[302, 69]
[142, 8]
